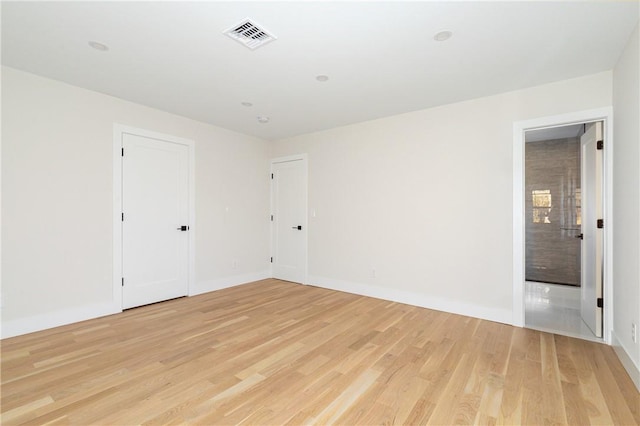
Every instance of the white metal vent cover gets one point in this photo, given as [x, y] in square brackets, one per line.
[250, 34]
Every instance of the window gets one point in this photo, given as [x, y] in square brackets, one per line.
[541, 205]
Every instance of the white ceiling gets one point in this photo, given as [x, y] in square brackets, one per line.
[551, 133]
[380, 57]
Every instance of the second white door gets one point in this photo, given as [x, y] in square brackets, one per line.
[592, 242]
[289, 219]
[155, 228]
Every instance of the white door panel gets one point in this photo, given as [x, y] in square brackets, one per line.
[155, 203]
[592, 243]
[289, 226]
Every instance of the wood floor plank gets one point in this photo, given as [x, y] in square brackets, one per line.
[348, 397]
[575, 408]
[273, 352]
[451, 397]
[553, 398]
[533, 406]
[621, 413]
[511, 403]
[619, 375]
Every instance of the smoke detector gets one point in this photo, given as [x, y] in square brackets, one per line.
[250, 34]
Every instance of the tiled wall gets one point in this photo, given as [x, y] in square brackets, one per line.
[552, 196]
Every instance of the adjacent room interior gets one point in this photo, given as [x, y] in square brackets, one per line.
[320, 212]
[556, 244]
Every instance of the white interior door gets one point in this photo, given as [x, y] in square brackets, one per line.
[155, 205]
[592, 242]
[289, 222]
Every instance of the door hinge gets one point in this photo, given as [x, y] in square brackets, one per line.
[122, 152]
[600, 223]
[123, 217]
[599, 302]
[271, 175]
[599, 145]
[271, 218]
[122, 281]
[272, 260]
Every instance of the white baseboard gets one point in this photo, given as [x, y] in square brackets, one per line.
[627, 362]
[416, 299]
[57, 318]
[226, 282]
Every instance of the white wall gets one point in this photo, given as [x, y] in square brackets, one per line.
[57, 200]
[626, 203]
[425, 198]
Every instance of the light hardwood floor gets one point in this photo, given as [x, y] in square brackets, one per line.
[276, 353]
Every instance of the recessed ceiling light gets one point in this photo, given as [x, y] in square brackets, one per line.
[99, 46]
[263, 119]
[442, 36]
[247, 104]
[322, 78]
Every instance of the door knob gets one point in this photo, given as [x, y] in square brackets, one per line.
[580, 236]
[299, 227]
[183, 228]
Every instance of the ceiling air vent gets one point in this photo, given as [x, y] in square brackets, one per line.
[250, 34]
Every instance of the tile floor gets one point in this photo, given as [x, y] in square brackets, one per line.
[555, 308]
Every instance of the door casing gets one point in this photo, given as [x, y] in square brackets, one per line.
[118, 131]
[601, 114]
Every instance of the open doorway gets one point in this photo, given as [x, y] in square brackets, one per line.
[553, 205]
[563, 254]
[561, 267]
